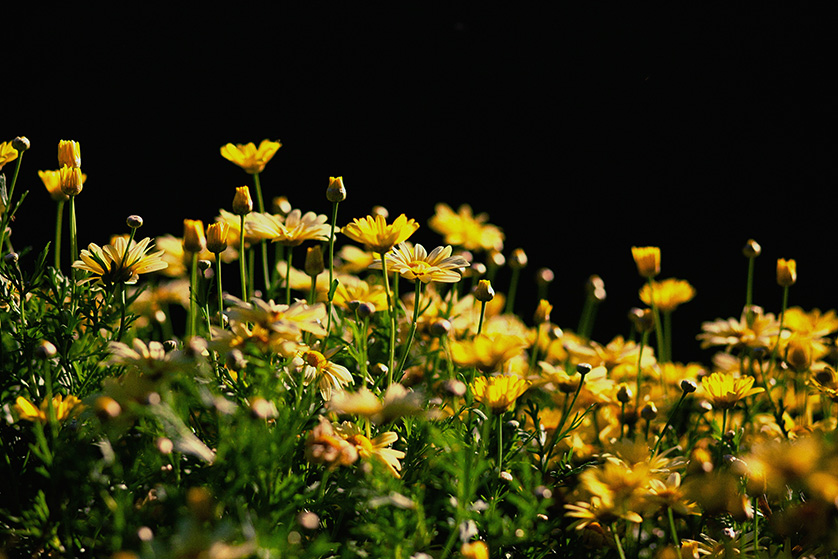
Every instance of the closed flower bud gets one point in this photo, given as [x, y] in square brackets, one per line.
[624, 394]
[314, 261]
[799, 354]
[336, 192]
[484, 291]
[71, 180]
[542, 312]
[751, 249]
[21, 144]
[46, 350]
[281, 205]
[649, 411]
[688, 386]
[643, 319]
[69, 154]
[648, 261]
[440, 327]
[193, 235]
[365, 310]
[544, 276]
[583, 369]
[217, 236]
[242, 202]
[518, 259]
[595, 288]
[134, 221]
[786, 272]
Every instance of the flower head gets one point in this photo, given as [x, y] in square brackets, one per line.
[786, 272]
[249, 157]
[52, 182]
[754, 329]
[70, 180]
[499, 392]
[648, 260]
[193, 236]
[290, 230]
[330, 376]
[217, 236]
[466, 230]
[61, 406]
[416, 264]
[7, 153]
[376, 448]
[69, 154]
[112, 264]
[667, 294]
[725, 390]
[377, 235]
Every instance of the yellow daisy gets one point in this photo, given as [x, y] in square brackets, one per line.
[725, 390]
[377, 235]
[112, 264]
[52, 182]
[667, 294]
[418, 265]
[376, 448]
[7, 153]
[498, 392]
[330, 377]
[466, 230]
[290, 230]
[62, 407]
[249, 157]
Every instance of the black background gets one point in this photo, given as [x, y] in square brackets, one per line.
[582, 129]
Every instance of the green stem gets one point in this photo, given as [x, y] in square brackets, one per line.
[59, 219]
[392, 311]
[617, 541]
[644, 338]
[412, 332]
[749, 290]
[193, 295]
[7, 212]
[668, 421]
[331, 267]
[673, 532]
[662, 357]
[121, 312]
[482, 314]
[242, 266]
[513, 287]
[258, 184]
[218, 290]
[288, 276]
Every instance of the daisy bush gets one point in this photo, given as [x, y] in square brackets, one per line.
[289, 382]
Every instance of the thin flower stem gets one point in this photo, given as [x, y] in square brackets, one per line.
[59, 219]
[662, 357]
[482, 314]
[749, 290]
[668, 422]
[193, 295]
[331, 268]
[392, 311]
[513, 288]
[242, 267]
[7, 213]
[643, 341]
[412, 331]
[500, 442]
[617, 541]
[261, 202]
[288, 276]
[673, 532]
[121, 312]
[219, 292]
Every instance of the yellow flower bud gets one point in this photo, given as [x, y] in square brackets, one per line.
[314, 261]
[484, 291]
[518, 259]
[786, 272]
[336, 192]
[648, 260]
[193, 235]
[217, 236]
[542, 312]
[69, 154]
[242, 202]
[71, 180]
[751, 249]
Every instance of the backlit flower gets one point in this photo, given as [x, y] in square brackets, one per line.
[217, 236]
[487, 351]
[464, 229]
[753, 330]
[52, 182]
[69, 154]
[7, 153]
[498, 392]
[667, 294]
[377, 235]
[648, 260]
[416, 264]
[151, 360]
[325, 446]
[725, 390]
[290, 230]
[350, 290]
[193, 236]
[376, 448]
[328, 375]
[70, 180]
[111, 264]
[249, 157]
[786, 272]
[61, 406]
[271, 326]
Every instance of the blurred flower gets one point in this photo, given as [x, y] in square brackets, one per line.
[62, 407]
[753, 330]
[474, 550]
[786, 272]
[375, 448]
[464, 229]
[487, 351]
[151, 360]
[667, 294]
[325, 446]
[416, 264]
[352, 290]
[619, 356]
[249, 157]
[375, 234]
[725, 390]
[648, 260]
[398, 402]
[290, 230]
[111, 264]
[498, 392]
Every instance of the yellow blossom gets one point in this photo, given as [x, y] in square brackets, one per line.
[754, 329]
[648, 260]
[70, 180]
[249, 157]
[7, 153]
[316, 367]
[193, 236]
[112, 264]
[786, 272]
[376, 448]
[354, 290]
[69, 154]
[52, 182]
[418, 265]
[725, 390]
[487, 351]
[498, 392]
[377, 235]
[61, 406]
[466, 230]
[290, 230]
[667, 294]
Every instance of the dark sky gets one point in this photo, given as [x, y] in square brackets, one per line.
[581, 130]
